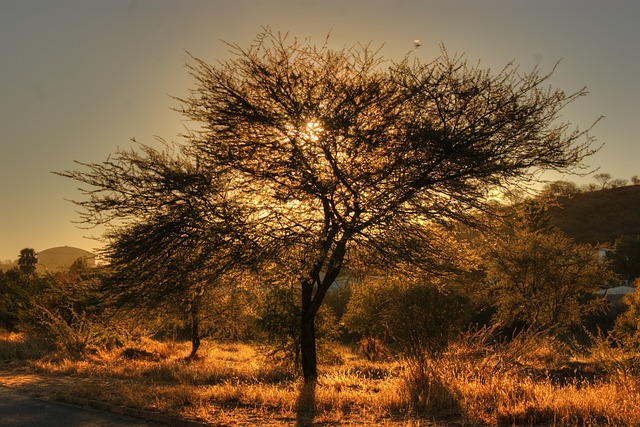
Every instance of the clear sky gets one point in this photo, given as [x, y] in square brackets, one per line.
[80, 78]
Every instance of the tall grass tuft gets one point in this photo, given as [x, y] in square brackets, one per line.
[425, 389]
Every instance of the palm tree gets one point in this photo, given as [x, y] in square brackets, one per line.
[27, 261]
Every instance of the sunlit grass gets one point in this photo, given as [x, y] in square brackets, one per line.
[233, 383]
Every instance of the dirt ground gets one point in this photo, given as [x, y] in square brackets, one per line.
[57, 388]
[18, 377]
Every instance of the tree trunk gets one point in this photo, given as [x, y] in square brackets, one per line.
[195, 336]
[310, 306]
[308, 350]
[308, 336]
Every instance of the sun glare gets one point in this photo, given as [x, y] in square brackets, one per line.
[314, 129]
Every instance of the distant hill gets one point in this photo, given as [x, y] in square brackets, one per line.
[56, 259]
[599, 216]
[62, 257]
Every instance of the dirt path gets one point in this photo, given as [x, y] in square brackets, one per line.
[68, 389]
[18, 409]
[46, 387]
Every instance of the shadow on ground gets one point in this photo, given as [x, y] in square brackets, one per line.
[306, 405]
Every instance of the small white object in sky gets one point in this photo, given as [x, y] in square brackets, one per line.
[417, 43]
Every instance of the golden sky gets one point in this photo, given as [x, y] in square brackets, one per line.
[80, 78]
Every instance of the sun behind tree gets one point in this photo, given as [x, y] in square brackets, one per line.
[327, 153]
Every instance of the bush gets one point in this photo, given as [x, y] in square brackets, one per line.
[417, 318]
[71, 332]
[543, 281]
[19, 292]
[14, 345]
[626, 329]
[336, 300]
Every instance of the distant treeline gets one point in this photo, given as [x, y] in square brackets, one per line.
[603, 181]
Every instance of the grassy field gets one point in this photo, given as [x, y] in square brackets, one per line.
[234, 384]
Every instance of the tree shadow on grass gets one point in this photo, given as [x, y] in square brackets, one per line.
[306, 405]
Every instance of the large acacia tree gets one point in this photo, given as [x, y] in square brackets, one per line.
[326, 152]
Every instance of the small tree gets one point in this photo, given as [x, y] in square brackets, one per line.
[544, 281]
[560, 189]
[179, 259]
[618, 182]
[175, 247]
[603, 180]
[531, 216]
[626, 257]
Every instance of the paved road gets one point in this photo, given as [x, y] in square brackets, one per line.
[20, 410]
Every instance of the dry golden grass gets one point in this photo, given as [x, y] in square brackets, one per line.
[18, 346]
[532, 388]
[233, 384]
[507, 398]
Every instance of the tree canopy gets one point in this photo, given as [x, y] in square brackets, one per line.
[308, 154]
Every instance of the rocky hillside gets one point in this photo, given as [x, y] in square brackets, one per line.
[599, 217]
